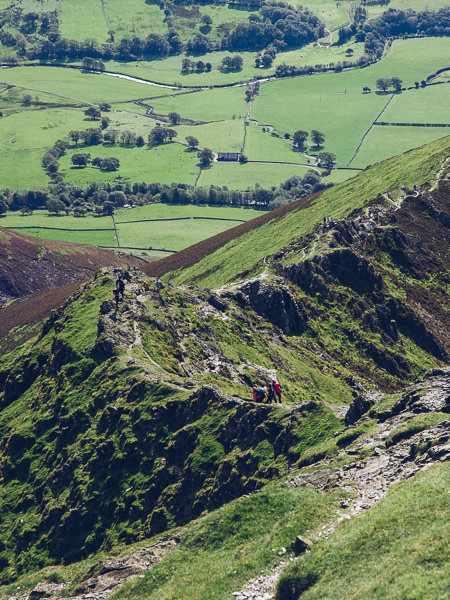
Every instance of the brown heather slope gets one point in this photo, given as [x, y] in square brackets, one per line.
[29, 265]
[40, 275]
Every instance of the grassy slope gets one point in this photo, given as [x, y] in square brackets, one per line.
[415, 167]
[397, 550]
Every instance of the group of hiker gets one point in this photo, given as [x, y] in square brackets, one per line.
[118, 291]
[272, 394]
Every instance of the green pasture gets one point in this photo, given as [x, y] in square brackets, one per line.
[168, 70]
[377, 9]
[206, 105]
[340, 175]
[168, 163]
[244, 177]
[170, 235]
[11, 100]
[134, 18]
[82, 22]
[31, 5]
[79, 86]
[187, 19]
[95, 238]
[260, 145]
[22, 170]
[32, 129]
[42, 218]
[330, 12]
[343, 118]
[313, 54]
[169, 211]
[223, 136]
[386, 141]
[423, 105]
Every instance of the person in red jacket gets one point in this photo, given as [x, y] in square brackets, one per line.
[277, 389]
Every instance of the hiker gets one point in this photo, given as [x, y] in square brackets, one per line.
[259, 393]
[116, 297]
[144, 285]
[270, 393]
[120, 285]
[276, 389]
[158, 286]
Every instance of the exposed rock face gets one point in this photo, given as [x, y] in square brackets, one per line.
[277, 305]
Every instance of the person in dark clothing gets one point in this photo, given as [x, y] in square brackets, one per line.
[277, 389]
[116, 297]
[120, 285]
[270, 393]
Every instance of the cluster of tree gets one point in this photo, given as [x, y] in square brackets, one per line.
[103, 198]
[300, 137]
[191, 66]
[265, 60]
[160, 135]
[251, 91]
[278, 24]
[231, 63]
[395, 23]
[383, 83]
[92, 64]
[110, 163]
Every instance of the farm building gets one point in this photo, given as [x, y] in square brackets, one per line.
[229, 156]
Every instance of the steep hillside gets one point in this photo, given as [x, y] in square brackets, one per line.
[245, 255]
[122, 424]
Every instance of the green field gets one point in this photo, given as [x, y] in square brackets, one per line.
[172, 235]
[168, 211]
[386, 141]
[168, 70]
[207, 105]
[330, 12]
[334, 104]
[187, 18]
[82, 87]
[243, 177]
[169, 163]
[141, 18]
[260, 145]
[135, 230]
[82, 23]
[22, 169]
[223, 136]
[423, 105]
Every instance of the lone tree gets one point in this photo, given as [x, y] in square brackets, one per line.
[54, 205]
[191, 141]
[300, 138]
[383, 84]
[174, 118]
[206, 157]
[327, 160]
[93, 113]
[396, 83]
[75, 135]
[110, 164]
[81, 160]
[317, 137]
